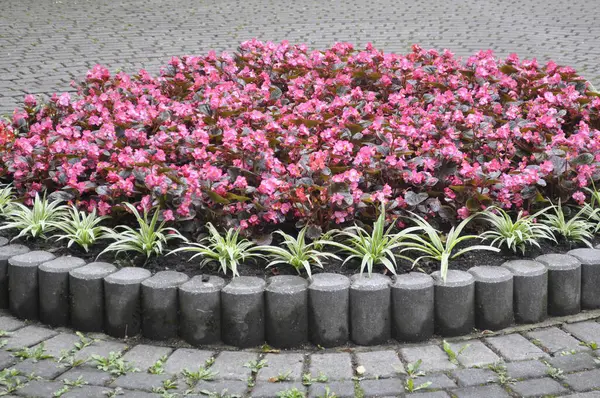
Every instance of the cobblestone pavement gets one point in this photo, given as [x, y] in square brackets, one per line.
[556, 358]
[44, 44]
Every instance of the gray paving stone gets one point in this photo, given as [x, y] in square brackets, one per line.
[526, 369]
[429, 394]
[475, 354]
[515, 347]
[219, 386]
[432, 356]
[492, 391]
[584, 381]
[382, 387]
[538, 387]
[282, 364]
[186, 358]
[39, 389]
[136, 394]
[230, 365]
[143, 356]
[58, 344]
[473, 377]
[272, 390]
[87, 392]
[590, 394]
[437, 380]
[139, 381]
[101, 348]
[379, 363]
[6, 360]
[46, 368]
[9, 323]
[28, 336]
[342, 389]
[585, 331]
[556, 340]
[573, 363]
[336, 366]
[93, 377]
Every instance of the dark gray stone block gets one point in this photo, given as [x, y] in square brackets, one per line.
[122, 300]
[54, 289]
[23, 283]
[454, 303]
[86, 285]
[243, 312]
[370, 307]
[200, 309]
[160, 309]
[564, 283]
[413, 307]
[328, 309]
[530, 289]
[590, 277]
[493, 297]
[286, 311]
[7, 252]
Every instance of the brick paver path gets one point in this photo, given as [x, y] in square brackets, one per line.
[44, 44]
[556, 358]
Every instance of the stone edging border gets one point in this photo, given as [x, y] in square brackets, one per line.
[289, 311]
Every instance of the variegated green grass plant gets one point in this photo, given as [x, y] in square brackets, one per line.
[297, 252]
[229, 251]
[515, 234]
[35, 221]
[433, 245]
[81, 228]
[577, 228]
[148, 239]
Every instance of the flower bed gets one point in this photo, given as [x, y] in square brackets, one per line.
[277, 133]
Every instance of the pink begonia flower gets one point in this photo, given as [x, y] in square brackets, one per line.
[168, 215]
[579, 197]
[463, 212]
[64, 99]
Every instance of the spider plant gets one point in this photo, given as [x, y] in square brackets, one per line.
[592, 209]
[296, 252]
[6, 198]
[36, 221]
[150, 238]
[517, 234]
[436, 247]
[81, 228]
[374, 248]
[577, 229]
[229, 250]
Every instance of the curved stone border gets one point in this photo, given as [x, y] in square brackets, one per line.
[289, 311]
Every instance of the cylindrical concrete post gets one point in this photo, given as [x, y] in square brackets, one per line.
[160, 309]
[86, 285]
[590, 276]
[122, 300]
[530, 281]
[370, 309]
[454, 303]
[564, 283]
[200, 309]
[413, 307]
[493, 297]
[6, 252]
[54, 289]
[286, 311]
[329, 309]
[23, 286]
[243, 312]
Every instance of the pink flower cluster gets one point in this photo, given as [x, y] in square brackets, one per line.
[277, 133]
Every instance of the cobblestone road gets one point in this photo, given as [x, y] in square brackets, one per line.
[556, 358]
[44, 44]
